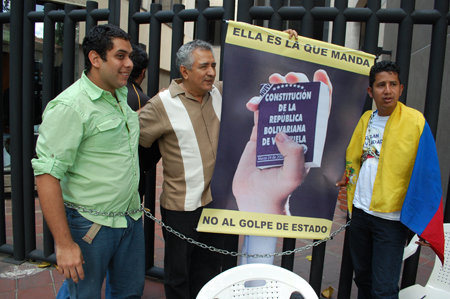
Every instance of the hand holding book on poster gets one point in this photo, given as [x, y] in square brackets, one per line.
[267, 190]
[292, 78]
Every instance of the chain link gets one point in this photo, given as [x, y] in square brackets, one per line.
[202, 245]
[233, 253]
[100, 213]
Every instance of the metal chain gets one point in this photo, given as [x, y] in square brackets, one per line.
[233, 253]
[192, 241]
[100, 213]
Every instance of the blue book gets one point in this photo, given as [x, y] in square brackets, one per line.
[300, 110]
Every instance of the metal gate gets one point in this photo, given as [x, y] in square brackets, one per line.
[22, 18]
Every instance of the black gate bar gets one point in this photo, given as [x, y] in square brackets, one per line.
[15, 112]
[22, 95]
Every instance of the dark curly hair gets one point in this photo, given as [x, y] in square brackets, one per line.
[99, 39]
[140, 61]
[383, 66]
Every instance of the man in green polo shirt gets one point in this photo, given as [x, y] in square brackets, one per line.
[87, 174]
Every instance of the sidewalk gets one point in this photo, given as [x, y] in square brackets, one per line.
[28, 281]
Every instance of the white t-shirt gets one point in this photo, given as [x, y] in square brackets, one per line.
[368, 172]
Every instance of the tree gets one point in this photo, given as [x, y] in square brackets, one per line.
[6, 7]
[59, 34]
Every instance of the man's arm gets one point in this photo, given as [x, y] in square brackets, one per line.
[68, 253]
[150, 122]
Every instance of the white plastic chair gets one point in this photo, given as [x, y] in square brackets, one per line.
[279, 283]
[438, 285]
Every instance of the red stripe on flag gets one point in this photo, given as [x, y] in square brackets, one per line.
[434, 233]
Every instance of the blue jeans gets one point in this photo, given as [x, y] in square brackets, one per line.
[376, 247]
[117, 253]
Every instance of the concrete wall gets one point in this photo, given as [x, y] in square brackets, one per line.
[75, 2]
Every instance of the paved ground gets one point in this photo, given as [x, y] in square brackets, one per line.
[28, 281]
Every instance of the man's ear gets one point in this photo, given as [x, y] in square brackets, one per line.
[143, 74]
[369, 91]
[94, 58]
[184, 72]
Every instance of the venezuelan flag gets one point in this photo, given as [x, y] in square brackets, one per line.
[422, 210]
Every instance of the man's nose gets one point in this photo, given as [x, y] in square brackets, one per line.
[211, 71]
[388, 88]
[129, 63]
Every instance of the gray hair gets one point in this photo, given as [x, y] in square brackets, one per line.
[184, 54]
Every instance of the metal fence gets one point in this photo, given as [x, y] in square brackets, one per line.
[22, 19]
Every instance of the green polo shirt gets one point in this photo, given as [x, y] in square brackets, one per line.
[89, 141]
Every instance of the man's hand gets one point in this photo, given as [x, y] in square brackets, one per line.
[68, 253]
[267, 190]
[342, 182]
[292, 33]
[423, 242]
[70, 261]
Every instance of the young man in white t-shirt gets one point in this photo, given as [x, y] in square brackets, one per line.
[376, 181]
[387, 233]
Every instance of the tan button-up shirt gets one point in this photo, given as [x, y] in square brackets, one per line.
[187, 133]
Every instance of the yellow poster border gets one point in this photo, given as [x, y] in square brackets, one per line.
[260, 224]
[307, 49]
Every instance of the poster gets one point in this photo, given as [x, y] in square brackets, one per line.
[246, 200]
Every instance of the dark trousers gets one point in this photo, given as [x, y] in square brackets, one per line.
[376, 247]
[188, 267]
